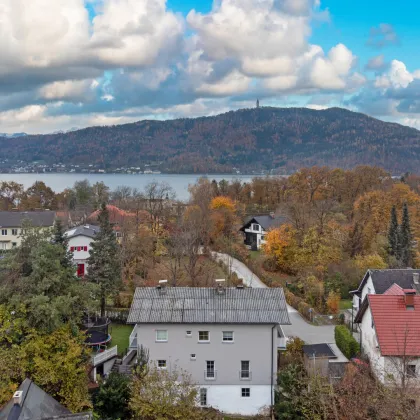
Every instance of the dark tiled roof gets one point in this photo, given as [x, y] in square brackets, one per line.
[266, 221]
[36, 404]
[199, 305]
[384, 279]
[320, 350]
[37, 218]
[397, 328]
[84, 230]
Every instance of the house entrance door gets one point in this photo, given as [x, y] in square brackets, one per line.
[80, 270]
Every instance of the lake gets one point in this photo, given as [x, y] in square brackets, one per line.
[59, 182]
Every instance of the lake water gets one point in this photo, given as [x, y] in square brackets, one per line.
[59, 182]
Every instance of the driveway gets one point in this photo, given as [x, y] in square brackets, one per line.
[309, 333]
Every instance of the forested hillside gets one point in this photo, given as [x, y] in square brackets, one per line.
[267, 138]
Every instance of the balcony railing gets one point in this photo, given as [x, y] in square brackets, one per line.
[104, 356]
[245, 375]
[133, 339]
[210, 374]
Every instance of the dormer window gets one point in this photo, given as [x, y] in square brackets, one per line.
[256, 227]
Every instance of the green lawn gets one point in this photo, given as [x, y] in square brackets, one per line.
[345, 304]
[120, 335]
[254, 255]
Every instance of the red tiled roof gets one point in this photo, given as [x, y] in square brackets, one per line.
[116, 215]
[397, 328]
[395, 290]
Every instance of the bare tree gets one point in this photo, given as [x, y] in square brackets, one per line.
[157, 196]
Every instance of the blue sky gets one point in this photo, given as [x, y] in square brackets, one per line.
[76, 63]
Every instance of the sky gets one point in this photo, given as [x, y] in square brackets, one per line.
[68, 64]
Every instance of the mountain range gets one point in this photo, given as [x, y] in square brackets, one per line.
[267, 138]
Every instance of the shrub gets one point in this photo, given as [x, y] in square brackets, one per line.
[345, 341]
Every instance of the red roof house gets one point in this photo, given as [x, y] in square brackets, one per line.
[396, 319]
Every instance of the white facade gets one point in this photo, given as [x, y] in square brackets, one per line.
[10, 238]
[257, 230]
[368, 289]
[80, 246]
[228, 399]
[388, 370]
[227, 389]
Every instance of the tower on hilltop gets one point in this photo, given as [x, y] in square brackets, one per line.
[258, 103]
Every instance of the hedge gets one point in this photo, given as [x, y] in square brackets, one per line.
[345, 341]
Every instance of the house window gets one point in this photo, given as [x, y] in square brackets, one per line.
[4, 232]
[14, 244]
[245, 392]
[263, 238]
[203, 397]
[210, 371]
[203, 336]
[256, 227]
[193, 356]
[162, 364]
[161, 335]
[411, 371]
[3, 245]
[245, 371]
[14, 232]
[189, 333]
[228, 336]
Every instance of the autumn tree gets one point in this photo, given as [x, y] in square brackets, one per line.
[164, 394]
[222, 216]
[10, 194]
[157, 196]
[39, 196]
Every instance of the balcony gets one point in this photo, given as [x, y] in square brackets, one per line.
[104, 356]
[245, 375]
[133, 339]
[210, 374]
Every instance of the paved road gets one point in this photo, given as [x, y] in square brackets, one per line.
[309, 333]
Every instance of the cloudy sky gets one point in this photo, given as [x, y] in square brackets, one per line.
[76, 63]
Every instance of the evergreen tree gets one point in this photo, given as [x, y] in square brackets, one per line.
[60, 239]
[393, 234]
[104, 264]
[405, 239]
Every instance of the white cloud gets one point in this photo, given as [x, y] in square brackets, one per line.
[397, 76]
[68, 90]
[135, 32]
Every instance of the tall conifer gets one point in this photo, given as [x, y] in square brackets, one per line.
[393, 234]
[103, 262]
[405, 239]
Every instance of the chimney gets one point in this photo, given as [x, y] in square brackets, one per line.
[409, 298]
[17, 398]
[162, 287]
[220, 286]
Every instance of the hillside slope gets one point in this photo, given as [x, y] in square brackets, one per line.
[250, 139]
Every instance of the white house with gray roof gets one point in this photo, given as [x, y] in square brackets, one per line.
[79, 243]
[11, 225]
[226, 338]
[256, 227]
